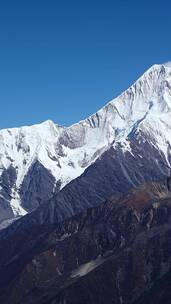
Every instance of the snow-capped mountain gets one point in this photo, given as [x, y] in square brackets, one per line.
[37, 161]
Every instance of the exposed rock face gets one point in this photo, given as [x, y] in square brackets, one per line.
[7, 181]
[112, 253]
[160, 293]
[38, 186]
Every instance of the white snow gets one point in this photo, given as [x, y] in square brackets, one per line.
[17, 209]
[87, 267]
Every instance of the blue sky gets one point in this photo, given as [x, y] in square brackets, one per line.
[63, 60]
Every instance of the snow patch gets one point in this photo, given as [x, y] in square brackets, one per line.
[17, 209]
[87, 267]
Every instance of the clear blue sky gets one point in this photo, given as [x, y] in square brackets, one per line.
[63, 59]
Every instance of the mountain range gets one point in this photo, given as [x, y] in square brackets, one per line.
[85, 210]
[37, 161]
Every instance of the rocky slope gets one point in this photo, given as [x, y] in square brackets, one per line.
[115, 172]
[38, 161]
[91, 238]
[113, 253]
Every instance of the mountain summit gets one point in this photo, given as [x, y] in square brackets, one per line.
[38, 161]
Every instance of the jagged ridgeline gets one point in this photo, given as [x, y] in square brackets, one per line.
[36, 162]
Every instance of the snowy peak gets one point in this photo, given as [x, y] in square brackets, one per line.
[18, 145]
[49, 154]
[147, 93]
[150, 94]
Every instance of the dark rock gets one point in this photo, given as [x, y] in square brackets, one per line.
[38, 186]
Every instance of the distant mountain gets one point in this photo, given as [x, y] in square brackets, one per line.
[36, 162]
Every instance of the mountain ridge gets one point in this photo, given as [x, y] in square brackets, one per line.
[65, 152]
[109, 227]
